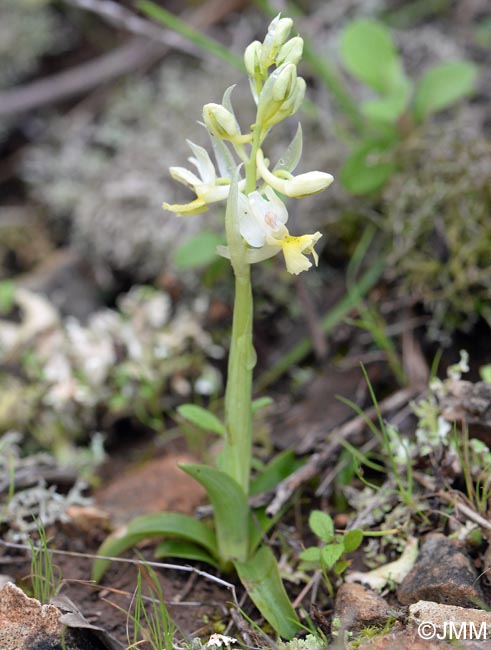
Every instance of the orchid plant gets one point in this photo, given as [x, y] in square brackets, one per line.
[256, 229]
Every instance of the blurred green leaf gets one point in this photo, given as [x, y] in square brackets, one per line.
[202, 418]
[260, 403]
[442, 86]
[362, 173]
[322, 525]
[341, 566]
[198, 251]
[331, 553]
[281, 466]
[231, 510]
[7, 296]
[389, 107]
[311, 554]
[352, 540]
[369, 54]
[261, 578]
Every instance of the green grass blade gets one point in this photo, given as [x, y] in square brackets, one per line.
[261, 578]
[161, 15]
[161, 524]
[230, 508]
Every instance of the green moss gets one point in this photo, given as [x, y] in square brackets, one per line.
[436, 214]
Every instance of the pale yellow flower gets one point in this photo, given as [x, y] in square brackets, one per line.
[207, 186]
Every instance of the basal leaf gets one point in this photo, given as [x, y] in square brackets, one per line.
[231, 510]
[184, 550]
[322, 525]
[161, 524]
[261, 578]
[202, 418]
[352, 540]
[442, 86]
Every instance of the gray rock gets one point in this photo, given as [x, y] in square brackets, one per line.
[442, 574]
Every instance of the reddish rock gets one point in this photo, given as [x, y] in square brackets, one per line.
[156, 486]
[358, 607]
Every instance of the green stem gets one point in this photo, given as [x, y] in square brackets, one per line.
[238, 395]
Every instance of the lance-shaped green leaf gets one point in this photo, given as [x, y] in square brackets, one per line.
[231, 510]
[161, 524]
[442, 86]
[184, 550]
[202, 418]
[261, 578]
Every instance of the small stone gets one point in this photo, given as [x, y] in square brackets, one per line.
[25, 621]
[442, 574]
[466, 622]
[358, 607]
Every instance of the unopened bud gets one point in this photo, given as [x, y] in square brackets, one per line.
[283, 82]
[278, 32]
[220, 122]
[291, 51]
[252, 57]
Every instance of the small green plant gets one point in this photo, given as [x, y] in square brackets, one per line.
[400, 104]
[152, 623]
[255, 230]
[45, 576]
[330, 554]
